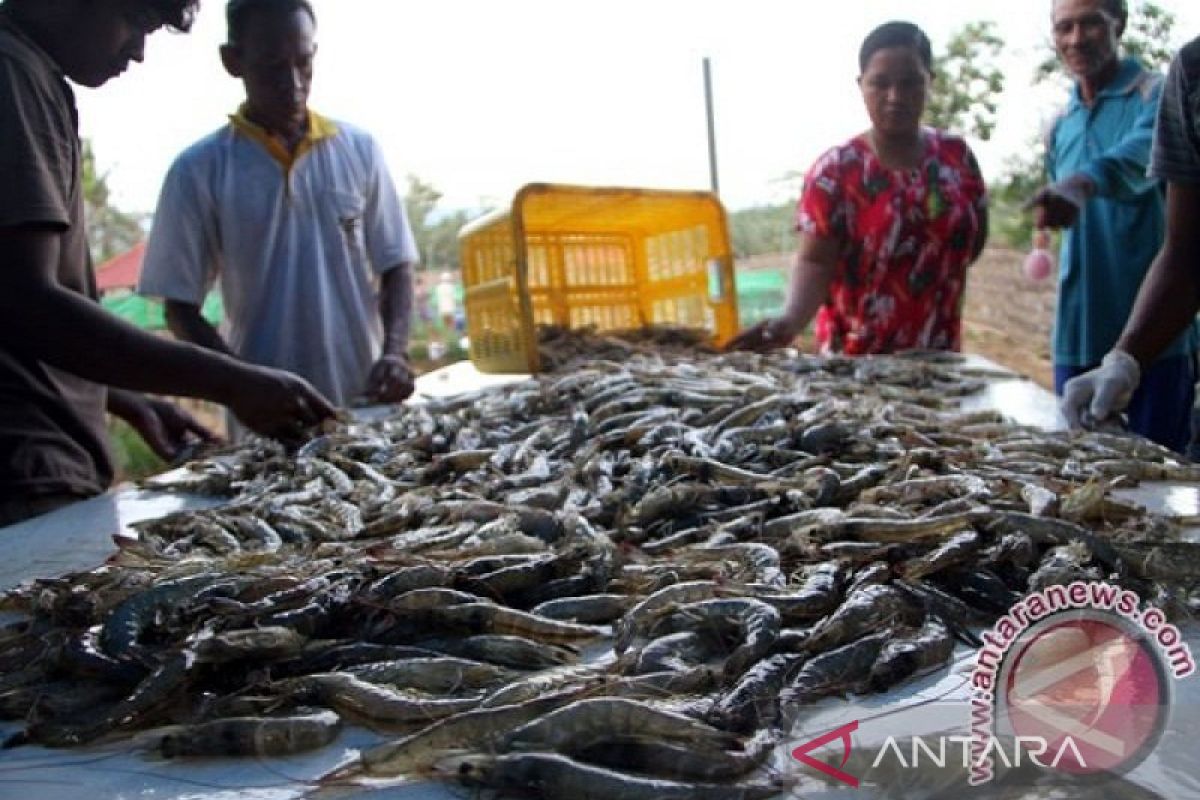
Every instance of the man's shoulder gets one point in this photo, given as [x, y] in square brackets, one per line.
[352, 136]
[19, 57]
[206, 149]
[1147, 83]
[349, 129]
[16, 51]
[1189, 60]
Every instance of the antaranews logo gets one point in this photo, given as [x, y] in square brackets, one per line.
[1077, 679]
[1083, 668]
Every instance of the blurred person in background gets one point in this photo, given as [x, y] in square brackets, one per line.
[1169, 297]
[64, 361]
[1111, 213]
[446, 296]
[888, 222]
[297, 217]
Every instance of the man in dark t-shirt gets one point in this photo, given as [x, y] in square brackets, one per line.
[58, 349]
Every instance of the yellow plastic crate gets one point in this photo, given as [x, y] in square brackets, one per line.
[580, 256]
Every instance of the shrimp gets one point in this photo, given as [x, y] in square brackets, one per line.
[587, 609]
[866, 609]
[679, 761]
[756, 621]
[433, 674]
[586, 722]
[558, 776]
[268, 643]
[644, 613]
[912, 656]
[492, 618]
[253, 736]
[754, 699]
[418, 752]
[372, 703]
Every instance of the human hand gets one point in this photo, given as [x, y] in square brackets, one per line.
[1102, 393]
[165, 427]
[391, 380]
[279, 404]
[1058, 205]
[765, 335]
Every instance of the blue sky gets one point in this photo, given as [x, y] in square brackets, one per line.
[479, 98]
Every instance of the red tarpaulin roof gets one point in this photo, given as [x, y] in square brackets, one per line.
[121, 272]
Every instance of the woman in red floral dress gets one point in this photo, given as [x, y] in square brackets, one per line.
[888, 222]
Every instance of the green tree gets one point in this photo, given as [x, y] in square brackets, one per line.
[110, 230]
[762, 229]
[967, 84]
[1022, 175]
[436, 235]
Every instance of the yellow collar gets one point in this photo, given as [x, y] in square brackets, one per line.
[319, 128]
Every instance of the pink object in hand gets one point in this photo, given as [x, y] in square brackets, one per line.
[1039, 263]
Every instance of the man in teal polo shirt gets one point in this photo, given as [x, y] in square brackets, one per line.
[1111, 213]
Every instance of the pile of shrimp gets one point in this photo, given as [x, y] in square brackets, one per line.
[627, 578]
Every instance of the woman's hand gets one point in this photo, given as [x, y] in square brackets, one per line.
[768, 334]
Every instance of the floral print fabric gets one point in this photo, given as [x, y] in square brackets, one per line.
[905, 240]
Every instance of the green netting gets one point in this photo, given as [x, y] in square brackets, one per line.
[760, 294]
[148, 314]
[760, 280]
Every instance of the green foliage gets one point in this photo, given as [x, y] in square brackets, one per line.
[1149, 36]
[967, 83]
[110, 230]
[135, 459]
[1023, 174]
[437, 240]
[762, 229]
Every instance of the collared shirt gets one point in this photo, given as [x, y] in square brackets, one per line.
[297, 242]
[1108, 251]
[1176, 154]
[53, 428]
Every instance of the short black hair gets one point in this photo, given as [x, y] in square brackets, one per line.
[896, 34]
[175, 14]
[239, 12]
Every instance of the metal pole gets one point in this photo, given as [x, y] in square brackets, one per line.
[712, 130]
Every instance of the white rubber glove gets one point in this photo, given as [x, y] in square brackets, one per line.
[1103, 393]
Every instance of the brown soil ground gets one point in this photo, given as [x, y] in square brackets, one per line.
[1007, 317]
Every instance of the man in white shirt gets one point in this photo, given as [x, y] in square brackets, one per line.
[297, 218]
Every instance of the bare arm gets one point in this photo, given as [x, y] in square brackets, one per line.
[66, 330]
[391, 379]
[45, 321]
[1170, 294]
[808, 287]
[187, 324]
[395, 308]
